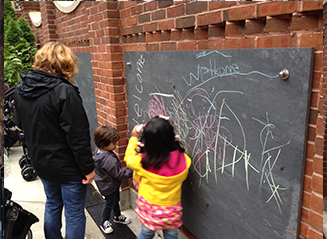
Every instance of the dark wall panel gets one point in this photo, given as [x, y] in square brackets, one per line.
[84, 81]
[244, 127]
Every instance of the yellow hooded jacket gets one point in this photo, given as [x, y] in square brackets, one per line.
[156, 189]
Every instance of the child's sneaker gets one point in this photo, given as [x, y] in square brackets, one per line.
[106, 227]
[122, 219]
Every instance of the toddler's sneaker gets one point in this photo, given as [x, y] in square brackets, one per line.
[122, 219]
[106, 227]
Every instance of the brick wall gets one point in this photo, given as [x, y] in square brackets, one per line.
[25, 9]
[108, 68]
[72, 29]
[164, 26]
[107, 29]
[325, 101]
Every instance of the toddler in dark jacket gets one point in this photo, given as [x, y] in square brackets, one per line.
[108, 174]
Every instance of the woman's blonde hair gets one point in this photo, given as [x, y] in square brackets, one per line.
[58, 59]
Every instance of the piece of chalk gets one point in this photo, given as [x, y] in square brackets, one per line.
[138, 129]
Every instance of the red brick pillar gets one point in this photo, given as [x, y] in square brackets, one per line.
[325, 108]
[49, 28]
[107, 63]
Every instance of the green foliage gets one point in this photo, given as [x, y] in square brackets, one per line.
[17, 58]
[27, 30]
[19, 47]
[13, 33]
[6, 23]
[9, 11]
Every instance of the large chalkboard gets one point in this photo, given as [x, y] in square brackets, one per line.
[244, 127]
[84, 81]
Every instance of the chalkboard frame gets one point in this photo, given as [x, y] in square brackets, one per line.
[299, 61]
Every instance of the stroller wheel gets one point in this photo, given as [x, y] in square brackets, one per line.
[22, 162]
[12, 214]
[28, 173]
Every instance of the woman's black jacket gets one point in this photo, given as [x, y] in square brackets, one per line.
[49, 110]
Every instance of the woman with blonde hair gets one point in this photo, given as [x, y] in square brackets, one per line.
[49, 109]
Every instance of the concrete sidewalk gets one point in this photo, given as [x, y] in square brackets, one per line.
[31, 197]
[325, 218]
[325, 223]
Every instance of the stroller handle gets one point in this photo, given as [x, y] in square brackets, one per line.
[9, 92]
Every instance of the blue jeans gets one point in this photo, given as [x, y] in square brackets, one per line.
[146, 233]
[70, 195]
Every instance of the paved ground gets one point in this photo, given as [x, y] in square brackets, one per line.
[325, 223]
[31, 197]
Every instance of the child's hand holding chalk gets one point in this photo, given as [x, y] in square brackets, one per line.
[137, 130]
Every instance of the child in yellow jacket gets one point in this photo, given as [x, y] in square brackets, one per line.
[160, 166]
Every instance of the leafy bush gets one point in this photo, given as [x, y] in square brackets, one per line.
[27, 30]
[13, 33]
[8, 10]
[17, 58]
[19, 46]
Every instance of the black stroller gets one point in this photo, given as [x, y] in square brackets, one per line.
[17, 221]
[12, 134]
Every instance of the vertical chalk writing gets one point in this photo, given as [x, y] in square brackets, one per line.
[139, 88]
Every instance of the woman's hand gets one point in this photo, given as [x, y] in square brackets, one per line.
[89, 178]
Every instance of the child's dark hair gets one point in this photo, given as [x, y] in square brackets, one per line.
[158, 138]
[104, 135]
